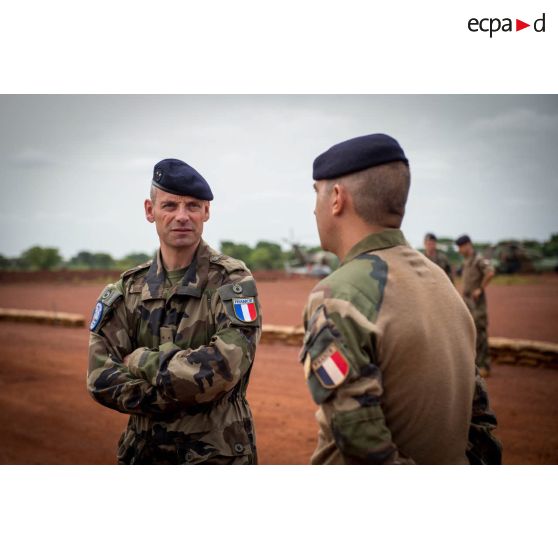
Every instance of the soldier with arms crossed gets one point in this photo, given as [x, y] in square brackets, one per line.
[389, 346]
[173, 341]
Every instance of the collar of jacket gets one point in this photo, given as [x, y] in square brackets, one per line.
[193, 282]
[472, 257]
[376, 241]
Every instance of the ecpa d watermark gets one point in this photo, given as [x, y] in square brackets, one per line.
[494, 25]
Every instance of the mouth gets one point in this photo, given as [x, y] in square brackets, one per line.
[182, 230]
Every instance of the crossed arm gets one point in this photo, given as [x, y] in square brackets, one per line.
[166, 379]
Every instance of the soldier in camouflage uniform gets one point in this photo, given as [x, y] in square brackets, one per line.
[477, 273]
[388, 351]
[437, 256]
[173, 341]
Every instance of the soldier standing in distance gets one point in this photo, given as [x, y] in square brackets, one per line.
[173, 341]
[389, 346]
[437, 256]
[477, 273]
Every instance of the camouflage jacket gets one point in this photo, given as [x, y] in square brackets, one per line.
[474, 270]
[192, 347]
[389, 357]
[441, 260]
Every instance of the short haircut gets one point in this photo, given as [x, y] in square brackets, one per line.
[430, 236]
[153, 193]
[380, 193]
[463, 239]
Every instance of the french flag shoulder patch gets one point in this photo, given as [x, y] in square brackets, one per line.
[245, 309]
[331, 367]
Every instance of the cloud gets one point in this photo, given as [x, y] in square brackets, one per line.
[33, 158]
[520, 120]
[478, 163]
[430, 162]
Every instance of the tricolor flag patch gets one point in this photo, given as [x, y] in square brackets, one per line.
[245, 309]
[331, 367]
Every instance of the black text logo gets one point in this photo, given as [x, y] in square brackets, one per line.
[494, 25]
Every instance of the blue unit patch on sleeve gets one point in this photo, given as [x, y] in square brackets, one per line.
[97, 315]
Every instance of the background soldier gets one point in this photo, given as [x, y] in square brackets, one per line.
[437, 256]
[477, 273]
[389, 351]
[173, 341]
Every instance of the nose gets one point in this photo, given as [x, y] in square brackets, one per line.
[182, 214]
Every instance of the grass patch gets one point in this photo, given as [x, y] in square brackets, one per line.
[516, 280]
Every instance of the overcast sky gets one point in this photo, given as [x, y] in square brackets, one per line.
[74, 170]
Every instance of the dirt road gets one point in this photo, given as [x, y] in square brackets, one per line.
[46, 416]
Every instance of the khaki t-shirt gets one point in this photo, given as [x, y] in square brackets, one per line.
[175, 277]
[474, 270]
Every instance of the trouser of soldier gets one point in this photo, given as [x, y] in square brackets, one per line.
[480, 316]
[218, 460]
[145, 455]
[178, 448]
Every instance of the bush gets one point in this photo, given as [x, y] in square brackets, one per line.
[37, 257]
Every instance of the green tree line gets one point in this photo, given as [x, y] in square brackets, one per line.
[48, 258]
[264, 255]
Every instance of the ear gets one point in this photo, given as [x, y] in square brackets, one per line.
[206, 212]
[149, 215]
[338, 199]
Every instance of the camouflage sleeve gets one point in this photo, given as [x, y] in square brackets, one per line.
[201, 374]
[344, 379]
[484, 266]
[109, 381]
[483, 447]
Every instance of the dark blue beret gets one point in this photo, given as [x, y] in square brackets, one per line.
[176, 177]
[357, 154]
[463, 239]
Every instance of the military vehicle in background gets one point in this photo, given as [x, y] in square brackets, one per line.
[509, 256]
[310, 263]
[512, 256]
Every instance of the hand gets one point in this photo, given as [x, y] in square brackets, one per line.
[476, 294]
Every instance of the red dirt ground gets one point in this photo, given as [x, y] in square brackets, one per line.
[46, 415]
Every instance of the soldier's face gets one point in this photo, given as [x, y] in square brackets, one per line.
[430, 246]
[178, 219]
[322, 211]
[465, 250]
